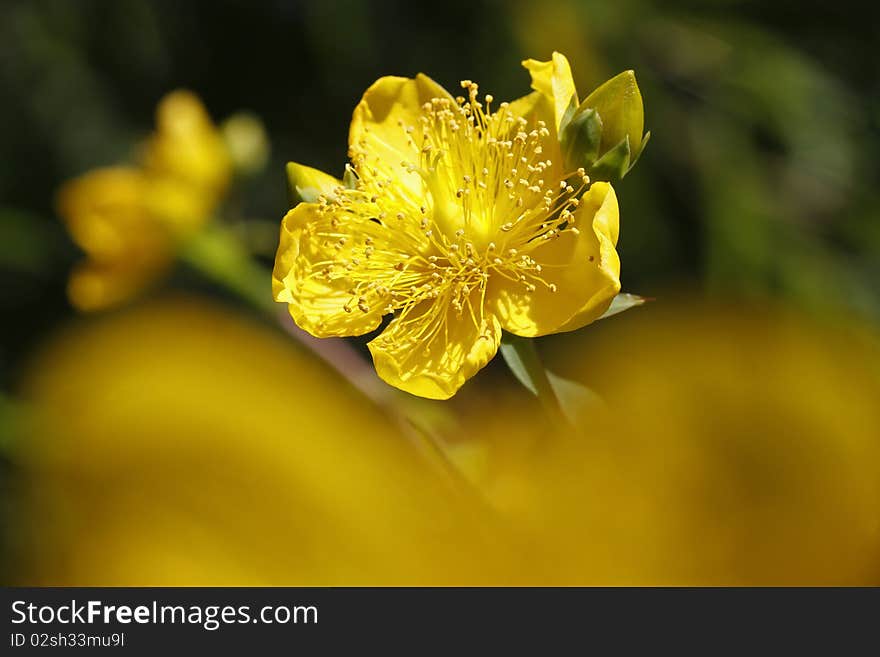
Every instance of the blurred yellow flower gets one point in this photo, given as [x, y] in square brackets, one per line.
[736, 447]
[188, 149]
[460, 221]
[128, 220]
[167, 448]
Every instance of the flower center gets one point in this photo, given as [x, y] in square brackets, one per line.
[477, 193]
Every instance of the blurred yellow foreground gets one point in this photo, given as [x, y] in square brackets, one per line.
[179, 444]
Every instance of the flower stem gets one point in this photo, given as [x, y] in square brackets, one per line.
[524, 362]
[217, 254]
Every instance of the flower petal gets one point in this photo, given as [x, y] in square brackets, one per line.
[432, 350]
[553, 80]
[307, 184]
[108, 214]
[187, 145]
[379, 123]
[105, 211]
[314, 243]
[98, 286]
[583, 267]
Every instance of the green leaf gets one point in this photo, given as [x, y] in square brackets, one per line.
[305, 184]
[523, 360]
[623, 301]
[523, 363]
[576, 400]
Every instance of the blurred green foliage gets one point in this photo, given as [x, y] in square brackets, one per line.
[760, 180]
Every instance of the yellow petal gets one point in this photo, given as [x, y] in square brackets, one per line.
[178, 206]
[583, 267]
[307, 184]
[187, 145]
[433, 350]
[553, 80]
[379, 124]
[533, 104]
[108, 215]
[98, 286]
[105, 210]
[317, 304]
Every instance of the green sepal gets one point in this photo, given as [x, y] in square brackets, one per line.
[580, 139]
[614, 164]
[305, 184]
[635, 158]
[349, 178]
[577, 401]
[623, 301]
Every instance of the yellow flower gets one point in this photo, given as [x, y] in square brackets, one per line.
[187, 147]
[128, 219]
[460, 220]
[152, 457]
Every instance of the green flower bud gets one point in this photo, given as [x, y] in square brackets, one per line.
[247, 142]
[604, 134]
[619, 103]
[614, 164]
